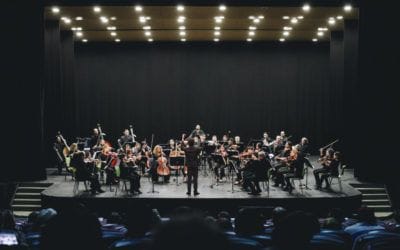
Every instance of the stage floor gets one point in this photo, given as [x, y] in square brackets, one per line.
[170, 195]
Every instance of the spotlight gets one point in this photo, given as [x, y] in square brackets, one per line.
[260, 17]
[182, 27]
[181, 19]
[287, 28]
[111, 28]
[347, 8]
[138, 8]
[256, 20]
[222, 7]
[142, 19]
[216, 39]
[84, 40]
[147, 33]
[113, 33]
[300, 17]
[249, 39]
[147, 27]
[182, 33]
[180, 8]
[286, 33]
[104, 19]
[113, 18]
[55, 10]
[251, 17]
[320, 33]
[339, 17]
[217, 28]
[285, 17]
[306, 7]
[294, 20]
[281, 39]
[217, 33]
[252, 27]
[79, 34]
[315, 40]
[183, 39]
[96, 9]
[78, 18]
[117, 40]
[251, 33]
[150, 40]
[331, 21]
[66, 20]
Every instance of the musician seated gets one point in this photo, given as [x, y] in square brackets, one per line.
[296, 170]
[282, 167]
[158, 165]
[333, 169]
[125, 138]
[263, 166]
[129, 171]
[219, 169]
[82, 172]
[325, 160]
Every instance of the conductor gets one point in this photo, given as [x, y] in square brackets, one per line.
[192, 153]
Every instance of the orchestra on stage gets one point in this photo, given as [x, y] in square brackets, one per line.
[229, 160]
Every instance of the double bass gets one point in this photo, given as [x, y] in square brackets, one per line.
[66, 147]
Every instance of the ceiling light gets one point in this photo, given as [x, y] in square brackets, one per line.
[111, 28]
[281, 39]
[55, 10]
[261, 17]
[79, 28]
[249, 39]
[73, 28]
[294, 20]
[216, 39]
[331, 21]
[147, 27]
[347, 8]
[142, 19]
[339, 17]
[286, 33]
[285, 17]
[138, 8]
[251, 17]
[84, 40]
[113, 33]
[78, 18]
[256, 20]
[117, 40]
[252, 27]
[147, 33]
[66, 20]
[182, 27]
[217, 28]
[104, 19]
[222, 7]
[183, 39]
[180, 8]
[79, 34]
[306, 7]
[113, 18]
[96, 9]
[320, 33]
[251, 33]
[287, 28]
[182, 33]
[181, 19]
[300, 17]
[217, 33]
[315, 40]
[150, 40]
[322, 29]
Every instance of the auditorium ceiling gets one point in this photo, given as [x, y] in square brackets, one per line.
[200, 23]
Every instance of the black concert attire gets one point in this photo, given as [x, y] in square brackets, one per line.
[333, 171]
[82, 172]
[94, 140]
[219, 169]
[262, 168]
[325, 170]
[197, 133]
[249, 176]
[297, 167]
[277, 148]
[281, 168]
[60, 161]
[192, 162]
[125, 139]
[153, 170]
[304, 149]
[129, 171]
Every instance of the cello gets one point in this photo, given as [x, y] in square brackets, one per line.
[162, 168]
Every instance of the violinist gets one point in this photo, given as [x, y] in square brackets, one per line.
[277, 145]
[159, 165]
[303, 146]
[224, 140]
[326, 161]
[283, 164]
[192, 154]
[249, 175]
[296, 167]
[266, 140]
[282, 134]
[129, 170]
[82, 172]
[219, 170]
[125, 138]
[333, 169]
[214, 140]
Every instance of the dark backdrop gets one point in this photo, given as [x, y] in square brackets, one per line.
[167, 88]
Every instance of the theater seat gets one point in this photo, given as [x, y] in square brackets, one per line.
[377, 240]
[131, 243]
[241, 243]
[327, 242]
[33, 240]
[265, 240]
[341, 234]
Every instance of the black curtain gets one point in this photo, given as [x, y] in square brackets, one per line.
[167, 88]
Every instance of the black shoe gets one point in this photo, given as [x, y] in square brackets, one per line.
[93, 192]
[188, 193]
[100, 191]
[290, 189]
[317, 187]
[196, 193]
[286, 188]
[254, 193]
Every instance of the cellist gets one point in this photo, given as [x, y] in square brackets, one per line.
[159, 165]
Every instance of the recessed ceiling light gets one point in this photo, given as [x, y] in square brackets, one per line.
[281, 39]
[183, 39]
[260, 17]
[315, 40]
[249, 39]
[96, 9]
[285, 17]
[104, 19]
[78, 18]
[256, 20]
[111, 28]
[217, 33]
[117, 40]
[79, 28]
[306, 7]
[182, 33]
[287, 28]
[142, 19]
[347, 8]
[181, 19]
[84, 40]
[300, 17]
[113, 33]
[222, 7]
[182, 27]
[73, 28]
[286, 33]
[217, 28]
[66, 20]
[147, 33]
[79, 34]
[331, 21]
[251, 33]
[147, 27]
[339, 17]
[55, 10]
[251, 17]
[138, 8]
[216, 39]
[180, 7]
[150, 40]
[294, 20]
[252, 27]
[322, 29]
[113, 18]
[320, 33]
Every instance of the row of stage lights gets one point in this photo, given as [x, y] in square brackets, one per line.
[255, 20]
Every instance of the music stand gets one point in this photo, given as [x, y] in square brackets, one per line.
[307, 164]
[177, 161]
[217, 158]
